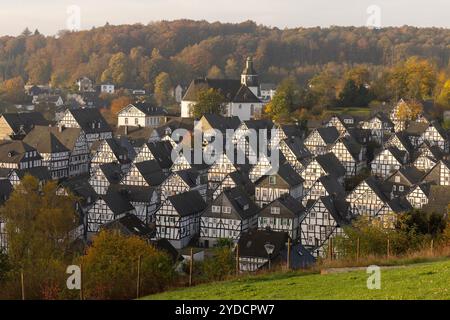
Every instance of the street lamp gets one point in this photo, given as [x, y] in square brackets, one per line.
[269, 249]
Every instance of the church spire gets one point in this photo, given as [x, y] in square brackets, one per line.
[249, 77]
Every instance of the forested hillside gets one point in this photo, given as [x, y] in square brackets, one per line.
[185, 49]
[403, 62]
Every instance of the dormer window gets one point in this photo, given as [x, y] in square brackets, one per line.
[275, 210]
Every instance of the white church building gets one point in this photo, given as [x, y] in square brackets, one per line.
[242, 97]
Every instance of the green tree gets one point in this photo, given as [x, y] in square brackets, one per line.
[111, 263]
[354, 95]
[285, 101]
[444, 96]
[118, 70]
[231, 69]
[215, 73]
[208, 101]
[13, 90]
[163, 89]
[38, 233]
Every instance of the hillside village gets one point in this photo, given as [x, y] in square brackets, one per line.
[330, 172]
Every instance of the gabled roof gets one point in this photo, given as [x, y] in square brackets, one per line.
[173, 124]
[240, 201]
[147, 109]
[130, 225]
[40, 173]
[90, 120]
[187, 203]
[24, 121]
[296, 145]
[189, 176]
[438, 200]
[251, 243]
[221, 123]
[331, 164]
[6, 189]
[285, 172]
[81, 188]
[116, 202]
[353, 147]
[231, 90]
[381, 189]
[399, 205]
[339, 210]
[328, 134]
[383, 118]
[293, 208]
[332, 186]
[112, 172]
[13, 151]
[52, 139]
[120, 152]
[243, 181]
[151, 172]
[162, 151]
[410, 173]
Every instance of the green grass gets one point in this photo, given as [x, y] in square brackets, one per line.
[354, 111]
[420, 281]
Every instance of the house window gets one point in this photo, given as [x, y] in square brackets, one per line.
[226, 209]
[401, 188]
[215, 209]
[272, 180]
[397, 179]
[126, 120]
[275, 210]
[311, 227]
[136, 120]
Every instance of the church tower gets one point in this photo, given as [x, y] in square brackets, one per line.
[249, 77]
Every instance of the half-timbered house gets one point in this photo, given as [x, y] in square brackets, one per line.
[104, 176]
[178, 218]
[283, 214]
[110, 151]
[405, 179]
[351, 155]
[380, 126]
[233, 180]
[90, 121]
[274, 185]
[320, 140]
[182, 181]
[325, 218]
[322, 165]
[230, 214]
[107, 208]
[387, 161]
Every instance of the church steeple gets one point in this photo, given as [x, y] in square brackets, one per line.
[249, 77]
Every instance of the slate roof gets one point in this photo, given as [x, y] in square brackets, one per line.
[339, 209]
[162, 151]
[438, 200]
[328, 134]
[251, 243]
[222, 123]
[87, 117]
[298, 148]
[287, 173]
[381, 189]
[40, 173]
[240, 201]
[151, 172]
[119, 151]
[399, 205]
[243, 181]
[141, 194]
[81, 188]
[6, 189]
[24, 121]
[332, 186]
[149, 110]
[331, 164]
[411, 173]
[130, 225]
[188, 203]
[294, 208]
[231, 90]
[189, 176]
[173, 124]
[13, 151]
[116, 202]
[52, 139]
[112, 172]
[353, 147]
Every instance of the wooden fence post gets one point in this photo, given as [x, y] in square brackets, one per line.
[191, 266]
[22, 284]
[237, 259]
[138, 284]
[357, 249]
[289, 254]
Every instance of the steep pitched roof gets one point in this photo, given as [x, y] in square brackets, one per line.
[24, 121]
[331, 164]
[188, 203]
[328, 134]
[231, 90]
[294, 208]
[148, 109]
[151, 172]
[52, 139]
[13, 151]
[130, 225]
[90, 120]
[116, 202]
[251, 243]
[438, 200]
